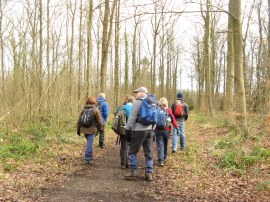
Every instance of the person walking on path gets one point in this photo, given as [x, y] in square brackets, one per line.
[139, 134]
[104, 110]
[124, 145]
[180, 111]
[164, 118]
[89, 123]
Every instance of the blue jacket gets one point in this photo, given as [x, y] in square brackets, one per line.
[104, 109]
[127, 107]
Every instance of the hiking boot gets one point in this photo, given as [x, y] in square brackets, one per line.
[161, 164]
[173, 152]
[87, 163]
[132, 174]
[149, 177]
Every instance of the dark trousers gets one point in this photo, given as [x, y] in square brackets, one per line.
[138, 139]
[102, 137]
[124, 150]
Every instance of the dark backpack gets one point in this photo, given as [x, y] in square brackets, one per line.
[87, 119]
[147, 115]
[178, 109]
[162, 118]
[119, 122]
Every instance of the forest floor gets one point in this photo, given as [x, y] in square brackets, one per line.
[193, 175]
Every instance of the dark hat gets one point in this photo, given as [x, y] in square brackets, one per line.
[141, 89]
[179, 96]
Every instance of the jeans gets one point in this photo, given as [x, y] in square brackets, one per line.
[162, 137]
[124, 150]
[182, 137]
[138, 139]
[89, 146]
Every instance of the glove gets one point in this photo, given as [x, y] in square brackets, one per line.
[78, 133]
[128, 135]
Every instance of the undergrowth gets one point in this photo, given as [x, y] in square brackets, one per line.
[32, 139]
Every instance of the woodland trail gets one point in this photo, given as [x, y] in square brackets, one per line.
[193, 175]
[102, 181]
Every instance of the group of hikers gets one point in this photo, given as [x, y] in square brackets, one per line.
[146, 121]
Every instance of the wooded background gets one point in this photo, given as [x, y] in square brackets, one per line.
[55, 53]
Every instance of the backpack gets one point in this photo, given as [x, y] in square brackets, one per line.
[147, 115]
[119, 122]
[162, 118]
[178, 109]
[87, 118]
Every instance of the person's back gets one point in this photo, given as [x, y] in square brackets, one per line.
[124, 146]
[104, 110]
[180, 118]
[139, 134]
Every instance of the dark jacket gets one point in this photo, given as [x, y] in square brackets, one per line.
[97, 125]
[185, 107]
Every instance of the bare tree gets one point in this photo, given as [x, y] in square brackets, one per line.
[268, 66]
[89, 48]
[238, 60]
[116, 68]
[230, 63]
[106, 37]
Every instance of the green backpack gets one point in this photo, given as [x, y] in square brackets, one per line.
[119, 122]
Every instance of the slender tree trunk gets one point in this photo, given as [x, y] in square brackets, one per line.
[80, 56]
[134, 66]
[268, 64]
[2, 48]
[207, 59]
[238, 60]
[89, 48]
[106, 37]
[230, 64]
[116, 68]
[73, 11]
[48, 55]
[258, 99]
[40, 90]
[126, 63]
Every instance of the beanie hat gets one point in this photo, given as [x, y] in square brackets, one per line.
[180, 96]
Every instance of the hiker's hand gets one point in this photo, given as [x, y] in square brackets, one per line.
[78, 133]
[178, 131]
[154, 138]
[128, 135]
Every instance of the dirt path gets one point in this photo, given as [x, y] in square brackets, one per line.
[102, 181]
[187, 176]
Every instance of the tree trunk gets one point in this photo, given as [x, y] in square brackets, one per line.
[2, 48]
[268, 64]
[73, 11]
[238, 61]
[207, 59]
[116, 68]
[48, 55]
[89, 49]
[40, 90]
[134, 65]
[230, 64]
[106, 36]
[80, 57]
[126, 63]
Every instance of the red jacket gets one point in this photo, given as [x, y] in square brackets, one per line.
[173, 121]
